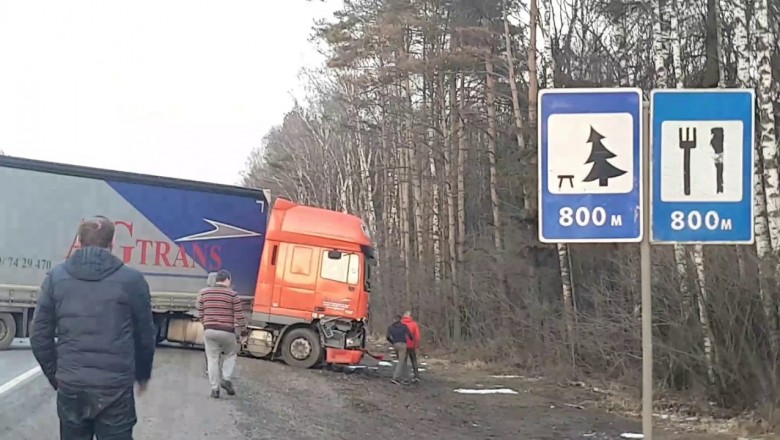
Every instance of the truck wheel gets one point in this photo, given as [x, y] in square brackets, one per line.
[301, 348]
[7, 330]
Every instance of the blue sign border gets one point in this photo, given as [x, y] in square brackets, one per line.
[702, 105]
[629, 205]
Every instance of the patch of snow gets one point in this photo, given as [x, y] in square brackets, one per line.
[488, 391]
[631, 435]
[505, 376]
[391, 363]
[360, 367]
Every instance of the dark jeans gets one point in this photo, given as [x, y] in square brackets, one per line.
[412, 353]
[102, 414]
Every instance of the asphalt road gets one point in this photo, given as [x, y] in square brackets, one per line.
[176, 405]
[16, 361]
[276, 401]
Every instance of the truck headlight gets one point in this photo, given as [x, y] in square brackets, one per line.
[353, 342]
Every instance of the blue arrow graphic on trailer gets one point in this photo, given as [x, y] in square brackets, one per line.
[220, 231]
[235, 239]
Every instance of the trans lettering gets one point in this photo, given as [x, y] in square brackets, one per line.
[142, 252]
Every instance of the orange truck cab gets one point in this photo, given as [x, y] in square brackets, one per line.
[311, 300]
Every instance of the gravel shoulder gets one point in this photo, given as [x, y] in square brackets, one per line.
[357, 404]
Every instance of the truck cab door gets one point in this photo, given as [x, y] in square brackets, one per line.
[296, 294]
[338, 289]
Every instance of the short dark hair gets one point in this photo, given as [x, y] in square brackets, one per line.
[96, 231]
[397, 318]
[222, 276]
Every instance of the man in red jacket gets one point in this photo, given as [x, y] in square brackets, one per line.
[412, 344]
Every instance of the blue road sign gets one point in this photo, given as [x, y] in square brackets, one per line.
[590, 186]
[702, 167]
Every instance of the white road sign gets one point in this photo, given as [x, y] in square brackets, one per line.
[590, 153]
[714, 168]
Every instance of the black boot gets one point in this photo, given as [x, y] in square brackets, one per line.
[215, 393]
[228, 386]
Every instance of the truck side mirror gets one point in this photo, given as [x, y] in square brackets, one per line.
[334, 255]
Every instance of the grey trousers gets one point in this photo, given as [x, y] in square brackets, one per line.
[403, 356]
[220, 344]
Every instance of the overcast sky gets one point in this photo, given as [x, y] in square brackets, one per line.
[180, 88]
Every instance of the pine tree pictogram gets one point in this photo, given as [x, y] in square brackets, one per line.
[602, 170]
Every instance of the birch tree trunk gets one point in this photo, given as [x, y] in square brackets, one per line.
[529, 177]
[661, 47]
[450, 154]
[403, 215]
[719, 42]
[413, 171]
[437, 117]
[768, 142]
[700, 299]
[456, 210]
[494, 200]
[389, 194]
[533, 100]
[704, 320]
[533, 72]
[765, 242]
[564, 260]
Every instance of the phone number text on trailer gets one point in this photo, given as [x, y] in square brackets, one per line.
[25, 262]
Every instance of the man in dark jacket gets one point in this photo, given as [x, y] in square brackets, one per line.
[101, 312]
[398, 334]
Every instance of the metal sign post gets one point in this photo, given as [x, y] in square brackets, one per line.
[594, 164]
[646, 270]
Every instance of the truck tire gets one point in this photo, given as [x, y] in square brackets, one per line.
[7, 330]
[301, 348]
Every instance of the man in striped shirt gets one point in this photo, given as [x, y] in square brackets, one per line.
[222, 316]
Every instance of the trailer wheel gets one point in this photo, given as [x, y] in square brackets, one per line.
[301, 348]
[7, 330]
